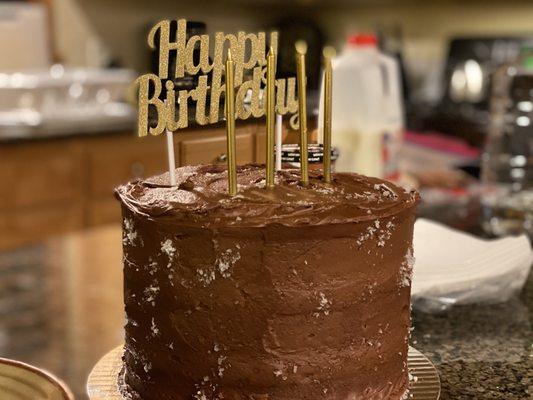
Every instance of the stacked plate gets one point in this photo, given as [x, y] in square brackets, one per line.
[453, 267]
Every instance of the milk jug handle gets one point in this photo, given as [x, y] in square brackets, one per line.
[385, 78]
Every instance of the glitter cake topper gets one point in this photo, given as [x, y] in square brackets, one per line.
[158, 92]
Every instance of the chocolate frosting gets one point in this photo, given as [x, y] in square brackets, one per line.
[293, 293]
[201, 198]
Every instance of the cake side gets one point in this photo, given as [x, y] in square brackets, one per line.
[275, 309]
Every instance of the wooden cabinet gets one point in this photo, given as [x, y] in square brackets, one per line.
[212, 149]
[102, 210]
[55, 186]
[260, 147]
[40, 191]
[112, 161]
[35, 175]
[33, 223]
[116, 160]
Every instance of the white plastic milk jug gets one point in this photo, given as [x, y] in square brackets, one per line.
[367, 111]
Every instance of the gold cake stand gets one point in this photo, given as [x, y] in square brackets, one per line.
[102, 383]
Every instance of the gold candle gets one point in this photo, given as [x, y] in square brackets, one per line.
[230, 124]
[270, 116]
[328, 53]
[301, 78]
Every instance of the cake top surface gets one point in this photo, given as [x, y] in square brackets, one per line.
[201, 198]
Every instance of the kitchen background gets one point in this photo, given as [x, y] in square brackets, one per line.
[67, 138]
[426, 28]
[62, 127]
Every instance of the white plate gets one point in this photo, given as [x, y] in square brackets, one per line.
[449, 262]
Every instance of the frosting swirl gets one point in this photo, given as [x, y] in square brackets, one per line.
[200, 198]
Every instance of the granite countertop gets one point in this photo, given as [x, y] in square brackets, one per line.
[481, 351]
[61, 308]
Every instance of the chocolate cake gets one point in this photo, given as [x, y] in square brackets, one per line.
[285, 294]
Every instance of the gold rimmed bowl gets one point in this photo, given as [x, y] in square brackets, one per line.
[20, 381]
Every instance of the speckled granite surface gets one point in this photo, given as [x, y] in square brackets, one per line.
[481, 352]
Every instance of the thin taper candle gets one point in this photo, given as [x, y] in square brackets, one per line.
[328, 76]
[270, 117]
[301, 78]
[230, 125]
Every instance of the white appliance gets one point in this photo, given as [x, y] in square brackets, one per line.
[24, 36]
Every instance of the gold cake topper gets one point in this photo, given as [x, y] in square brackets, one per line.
[249, 52]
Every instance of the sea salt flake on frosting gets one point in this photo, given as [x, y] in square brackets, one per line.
[164, 195]
[385, 191]
[260, 184]
[221, 366]
[370, 231]
[324, 190]
[205, 276]
[168, 248]
[382, 233]
[406, 269]
[383, 237]
[149, 294]
[152, 266]
[370, 287]
[154, 328]
[226, 261]
[130, 236]
[200, 395]
[324, 305]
